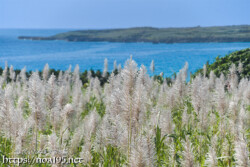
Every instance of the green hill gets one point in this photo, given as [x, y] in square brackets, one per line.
[222, 64]
[157, 35]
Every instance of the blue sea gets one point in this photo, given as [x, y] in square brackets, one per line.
[168, 58]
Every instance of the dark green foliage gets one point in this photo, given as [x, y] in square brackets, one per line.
[98, 74]
[100, 108]
[27, 110]
[160, 79]
[5, 148]
[94, 104]
[160, 147]
[112, 157]
[157, 35]
[222, 64]
[47, 129]
[83, 75]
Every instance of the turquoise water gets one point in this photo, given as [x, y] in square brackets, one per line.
[168, 58]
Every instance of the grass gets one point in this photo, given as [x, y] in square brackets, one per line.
[132, 119]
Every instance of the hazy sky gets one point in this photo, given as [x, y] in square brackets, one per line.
[122, 13]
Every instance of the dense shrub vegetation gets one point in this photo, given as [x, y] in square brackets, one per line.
[222, 64]
[132, 120]
[83, 75]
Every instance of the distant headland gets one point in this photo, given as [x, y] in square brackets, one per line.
[237, 33]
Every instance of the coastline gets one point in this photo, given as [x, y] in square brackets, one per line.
[216, 34]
